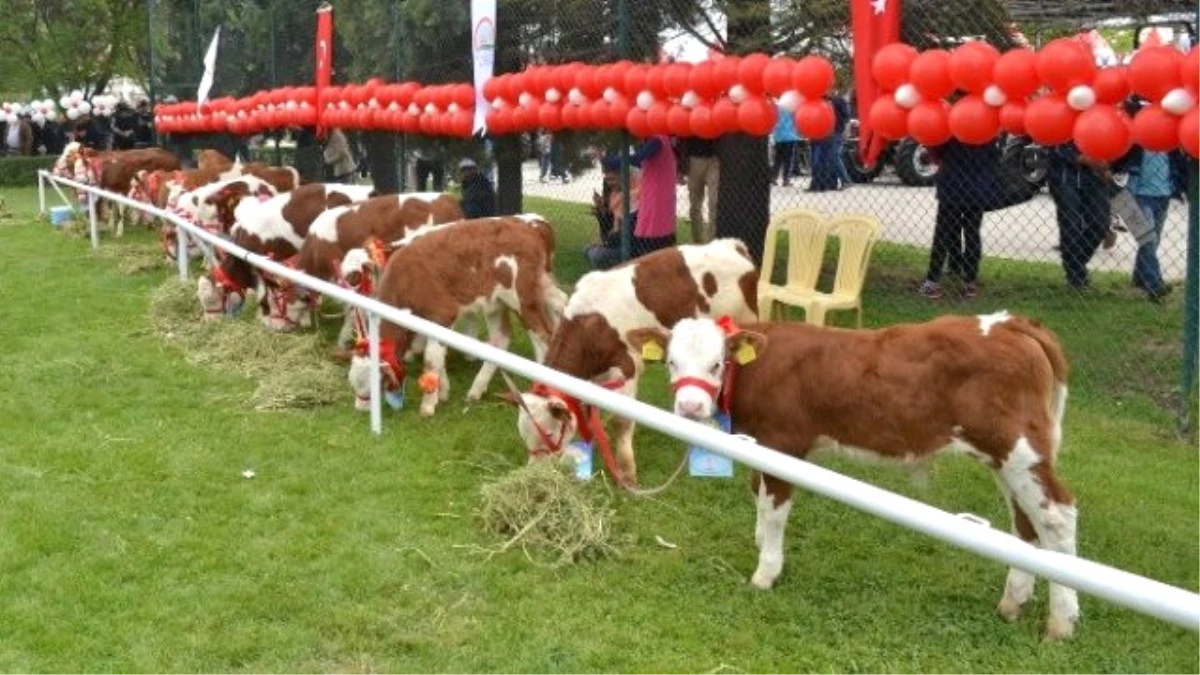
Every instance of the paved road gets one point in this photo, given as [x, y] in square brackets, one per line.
[1024, 232]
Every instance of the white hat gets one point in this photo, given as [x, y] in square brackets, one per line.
[467, 163]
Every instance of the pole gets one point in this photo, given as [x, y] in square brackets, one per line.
[626, 220]
[376, 385]
[41, 194]
[275, 82]
[150, 74]
[1191, 307]
[95, 233]
[401, 138]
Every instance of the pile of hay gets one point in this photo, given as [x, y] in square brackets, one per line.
[134, 258]
[543, 505]
[292, 370]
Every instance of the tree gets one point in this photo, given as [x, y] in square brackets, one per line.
[56, 46]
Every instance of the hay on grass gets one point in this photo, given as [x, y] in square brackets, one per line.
[134, 258]
[291, 370]
[543, 505]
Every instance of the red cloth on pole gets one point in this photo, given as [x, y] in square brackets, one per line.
[875, 24]
[324, 55]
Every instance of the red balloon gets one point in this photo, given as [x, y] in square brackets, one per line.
[726, 72]
[409, 89]
[929, 123]
[930, 74]
[564, 76]
[974, 122]
[656, 118]
[635, 79]
[756, 116]
[1189, 132]
[702, 123]
[1154, 71]
[679, 121]
[813, 76]
[750, 72]
[1156, 129]
[655, 81]
[602, 79]
[703, 80]
[550, 116]
[617, 111]
[499, 122]
[888, 119]
[891, 65]
[725, 116]
[616, 74]
[515, 86]
[777, 76]
[443, 96]
[635, 121]
[971, 66]
[1065, 63]
[1189, 70]
[464, 95]
[583, 118]
[815, 119]
[1012, 118]
[1103, 133]
[1049, 120]
[570, 117]
[1111, 85]
[676, 79]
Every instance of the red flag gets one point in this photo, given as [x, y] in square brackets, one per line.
[324, 54]
[875, 24]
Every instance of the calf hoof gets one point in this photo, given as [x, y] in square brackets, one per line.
[427, 409]
[1009, 609]
[762, 581]
[363, 404]
[1058, 629]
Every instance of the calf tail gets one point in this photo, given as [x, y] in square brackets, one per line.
[1058, 365]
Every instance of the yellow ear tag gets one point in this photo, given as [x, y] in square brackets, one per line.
[745, 354]
[652, 351]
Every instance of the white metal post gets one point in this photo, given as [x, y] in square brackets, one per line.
[41, 194]
[376, 385]
[181, 252]
[91, 199]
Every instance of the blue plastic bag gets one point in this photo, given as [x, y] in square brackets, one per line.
[703, 463]
[581, 453]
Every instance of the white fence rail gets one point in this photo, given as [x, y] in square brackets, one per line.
[1141, 594]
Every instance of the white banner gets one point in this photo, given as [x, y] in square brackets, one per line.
[210, 68]
[483, 53]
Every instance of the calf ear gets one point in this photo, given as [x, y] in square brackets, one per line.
[746, 346]
[509, 398]
[651, 343]
[558, 409]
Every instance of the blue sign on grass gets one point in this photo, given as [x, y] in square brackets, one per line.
[703, 463]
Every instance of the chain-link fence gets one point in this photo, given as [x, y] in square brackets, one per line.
[1064, 254]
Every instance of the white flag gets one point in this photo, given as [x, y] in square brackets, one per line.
[483, 51]
[210, 67]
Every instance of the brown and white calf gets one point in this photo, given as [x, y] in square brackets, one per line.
[282, 178]
[993, 387]
[275, 228]
[487, 266]
[654, 291]
[115, 172]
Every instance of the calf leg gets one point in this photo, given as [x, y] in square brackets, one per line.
[1018, 588]
[623, 435]
[774, 504]
[499, 335]
[1051, 511]
[435, 362]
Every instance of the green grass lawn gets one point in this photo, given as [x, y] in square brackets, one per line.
[129, 540]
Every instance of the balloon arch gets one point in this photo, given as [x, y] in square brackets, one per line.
[1053, 95]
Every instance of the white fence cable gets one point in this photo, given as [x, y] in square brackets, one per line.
[1169, 603]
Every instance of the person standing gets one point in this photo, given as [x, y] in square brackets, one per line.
[841, 117]
[786, 138]
[1152, 185]
[1079, 186]
[18, 135]
[124, 125]
[429, 165]
[478, 196]
[656, 218]
[143, 135]
[964, 188]
[339, 162]
[703, 174]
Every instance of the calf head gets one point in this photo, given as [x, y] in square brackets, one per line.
[286, 308]
[217, 299]
[698, 352]
[544, 421]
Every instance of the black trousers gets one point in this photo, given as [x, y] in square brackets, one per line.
[956, 240]
[1083, 211]
[785, 151]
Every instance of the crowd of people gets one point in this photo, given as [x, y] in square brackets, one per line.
[127, 128]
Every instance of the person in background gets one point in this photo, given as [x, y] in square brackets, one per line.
[339, 162]
[656, 219]
[429, 166]
[143, 135]
[54, 138]
[124, 125]
[97, 132]
[18, 135]
[786, 138]
[964, 187]
[841, 117]
[609, 209]
[703, 174]
[1079, 186]
[478, 197]
[1153, 181]
[542, 144]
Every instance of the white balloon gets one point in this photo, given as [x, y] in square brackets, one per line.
[48, 104]
[431, 108]
[738, 93]
[51, 115]
[72, 113]
[499, 103]
[291, 105]
[525, 99]
[690, 99]
[453, 107]
[391, 106]
[76, 96]
[644, 100]
[414, 109]
[65, 102]
[38, 118]
[907, 96]
[576, 97]
[1081, 97]
[85, 107]
[611, 94]
[553, 95]
[994, 96]
[1178, 101]
[791, 100]
[12, 118]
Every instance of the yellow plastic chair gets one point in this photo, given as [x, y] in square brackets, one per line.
[806, 231]
[857, 234]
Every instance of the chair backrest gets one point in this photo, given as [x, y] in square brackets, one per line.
[857, 234]
[807, 231]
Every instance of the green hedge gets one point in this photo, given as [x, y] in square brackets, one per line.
[18, 171]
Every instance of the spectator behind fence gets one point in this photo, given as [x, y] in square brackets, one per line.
[841, 117]
[1079, 186]
[18, 135]
[609, 209]
[965, 183]
[124, 125]
[656, 219]
[339, 161]
[96, 132]
[1154, 178]
[703, 176]
[429, 165]
[478, 197]
[143, 136]
[786, 138]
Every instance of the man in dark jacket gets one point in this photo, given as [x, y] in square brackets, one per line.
[1080, 188]
[478, 197]
[124, 126]
[143, 135]
[97, 132]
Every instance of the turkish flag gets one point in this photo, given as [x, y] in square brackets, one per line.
[875, 24]
[324, 54]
